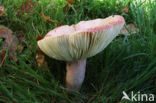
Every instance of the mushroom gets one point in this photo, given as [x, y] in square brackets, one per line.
[75, 43]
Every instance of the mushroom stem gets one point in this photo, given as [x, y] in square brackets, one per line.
[75, 74]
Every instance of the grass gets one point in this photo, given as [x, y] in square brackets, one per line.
[127, 64]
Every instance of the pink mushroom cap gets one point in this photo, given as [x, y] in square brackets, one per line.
[82, 40]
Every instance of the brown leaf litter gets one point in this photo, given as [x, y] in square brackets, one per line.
[46, 18]
[2, 57]
[67, 6]
[125, 9]
[10, 44]
[129, 29]
[2, 10]
[49, 20]
[40, 56]
[27, 7]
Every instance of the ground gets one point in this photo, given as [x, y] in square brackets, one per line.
[127, 64]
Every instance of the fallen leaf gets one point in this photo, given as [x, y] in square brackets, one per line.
[70, 1]
[21, 39]
[67, 6]
[14, 101]
[46, 18]
[129, 29]
[20, 47]
[40, 56]
[2, 12]
[20, 35]
[125, 9]
[27, 7]
[58, 24]
[39, 37]
[2, 57]
[10, 42]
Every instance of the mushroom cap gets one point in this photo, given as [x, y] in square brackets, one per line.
[82, 40]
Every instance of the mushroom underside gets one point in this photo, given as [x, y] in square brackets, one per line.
[78, 46]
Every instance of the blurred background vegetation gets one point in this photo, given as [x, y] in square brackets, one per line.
[127, 64]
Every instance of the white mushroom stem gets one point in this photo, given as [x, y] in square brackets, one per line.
[75, 74]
